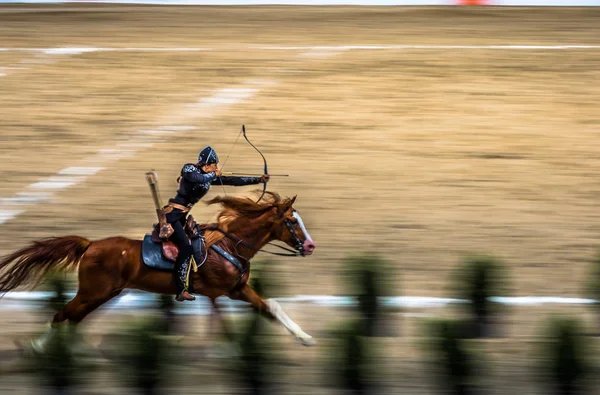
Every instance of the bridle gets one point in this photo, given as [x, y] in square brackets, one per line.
[291, 227]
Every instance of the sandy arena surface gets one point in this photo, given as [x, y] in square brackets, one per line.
[422, 154]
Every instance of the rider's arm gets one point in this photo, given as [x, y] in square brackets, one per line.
[237, 181]
[193, 174]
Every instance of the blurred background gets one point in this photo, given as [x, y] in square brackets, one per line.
[445, 159]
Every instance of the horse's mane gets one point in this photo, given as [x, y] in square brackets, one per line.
[234, 208]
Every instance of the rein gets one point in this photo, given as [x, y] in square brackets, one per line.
[240, 241]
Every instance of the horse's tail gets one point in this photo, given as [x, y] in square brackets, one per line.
[29, 265]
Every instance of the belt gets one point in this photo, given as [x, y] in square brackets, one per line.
[184, 209]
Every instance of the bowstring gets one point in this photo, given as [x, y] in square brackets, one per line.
[226, 159]
[224, 163]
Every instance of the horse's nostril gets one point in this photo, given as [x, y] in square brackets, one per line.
[309, 246]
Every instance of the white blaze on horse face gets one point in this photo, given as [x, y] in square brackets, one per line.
[301, 223]
[308, 245]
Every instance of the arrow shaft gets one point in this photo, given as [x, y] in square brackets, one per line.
[228, 173]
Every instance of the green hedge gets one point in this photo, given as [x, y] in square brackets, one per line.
[564, 357]
[458, 367]
[592, 285]
[478, 278]
[369, 277]
[146, 353]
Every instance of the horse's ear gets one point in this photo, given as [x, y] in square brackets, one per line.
[288, 205]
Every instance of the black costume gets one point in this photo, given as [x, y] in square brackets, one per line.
[193, 185]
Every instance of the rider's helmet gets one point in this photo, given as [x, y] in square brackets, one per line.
[208, 156]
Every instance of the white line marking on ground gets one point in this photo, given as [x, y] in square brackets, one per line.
[38, 59]
[80, 50]
[28, 197]
[181, 49]
[155, 132]
[218, 101]
[320, 54]
[108, 151]
[262, 82]
[178, 128]
[136, 300]
[7, 215]
[229, 96]
[109, 156]
[436, 47]
[141, 139]
[165, 130]
[113, 154]
[35, 196]
[69, 51]
[56, 182]
[88, 171]
[327, 48]
[538, 300]
[136, 144]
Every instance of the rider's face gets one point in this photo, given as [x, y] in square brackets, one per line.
[210, 168]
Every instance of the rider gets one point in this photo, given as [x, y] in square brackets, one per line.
[194, 183]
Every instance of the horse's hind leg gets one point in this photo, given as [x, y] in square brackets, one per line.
[99, 282]
[73, 312]
[96, 287]
[81, 305]
[64, 314]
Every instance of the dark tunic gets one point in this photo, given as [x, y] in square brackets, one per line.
[195, 183]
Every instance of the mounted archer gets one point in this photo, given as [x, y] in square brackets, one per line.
[108, 266]
[194, 183]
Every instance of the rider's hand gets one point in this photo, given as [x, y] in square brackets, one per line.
[218, 172]
[265, 178]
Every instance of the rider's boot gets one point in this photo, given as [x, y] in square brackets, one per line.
[181, 274]
[184, 295]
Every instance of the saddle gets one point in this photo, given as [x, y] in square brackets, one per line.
[169, 249]
[159, 253]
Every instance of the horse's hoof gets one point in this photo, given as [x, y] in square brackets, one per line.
[224, 351]
[307, 341]
[172, 338]
[34, 347]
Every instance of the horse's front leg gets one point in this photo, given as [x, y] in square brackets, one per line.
[218, 319]
[227, 350]
[273, 309]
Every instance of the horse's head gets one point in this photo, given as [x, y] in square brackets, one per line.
[274, 214]
[289, 228]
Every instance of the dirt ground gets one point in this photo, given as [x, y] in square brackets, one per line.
[422, 155]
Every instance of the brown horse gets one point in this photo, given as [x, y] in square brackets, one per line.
[108, 266]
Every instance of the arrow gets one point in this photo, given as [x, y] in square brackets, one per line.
[227, 173]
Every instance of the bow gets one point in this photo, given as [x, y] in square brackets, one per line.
[266, 168]
[226, 159]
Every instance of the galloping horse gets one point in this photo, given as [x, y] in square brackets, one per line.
[108, 266]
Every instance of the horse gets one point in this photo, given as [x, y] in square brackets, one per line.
[108, 266]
